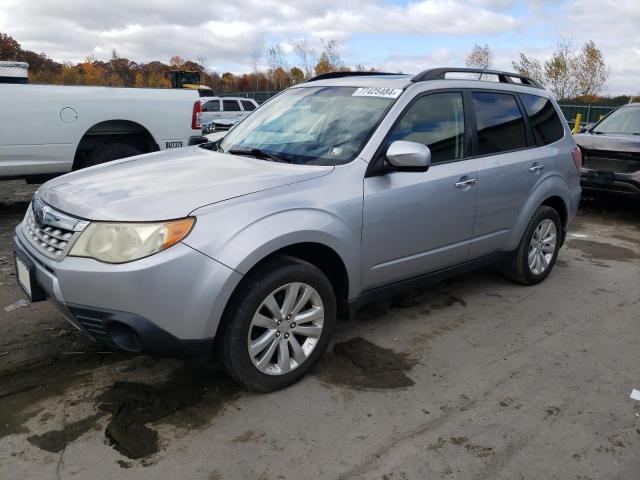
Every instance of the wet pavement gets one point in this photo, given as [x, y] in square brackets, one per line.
[474, 377]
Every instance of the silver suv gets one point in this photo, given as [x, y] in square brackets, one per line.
[334, 193]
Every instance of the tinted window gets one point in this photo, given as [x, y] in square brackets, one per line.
[436, 121]
[499, 122]
[248, 106]
[231, 106]
[547, 127]
[211, 106]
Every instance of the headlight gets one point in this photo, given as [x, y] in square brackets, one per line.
[125, 242]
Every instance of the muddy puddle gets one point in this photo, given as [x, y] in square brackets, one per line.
[134, 407]
[361, 364]
[603, 251]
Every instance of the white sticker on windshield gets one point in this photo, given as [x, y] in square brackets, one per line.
[378, 92]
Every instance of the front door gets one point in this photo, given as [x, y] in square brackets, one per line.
[420, 222]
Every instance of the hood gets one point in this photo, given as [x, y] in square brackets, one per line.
[167, 185]
[610, 143]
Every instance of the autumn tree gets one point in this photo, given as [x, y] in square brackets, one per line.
[9, 48]
[480, 57]
[307, 55]
[69, 74]
[592, 70]
[529, 67]
[228, 81]
[91, 71]
[297, 75]
[568, 73]
[324, 64]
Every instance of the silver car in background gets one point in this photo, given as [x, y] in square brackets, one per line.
[339, 191]
[226, 109]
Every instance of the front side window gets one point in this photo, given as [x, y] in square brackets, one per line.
[211, 106]
[231, 106]
[624, 121]
[248, 106]
[547, 126]
[310, 125]
[499, 122]
[437, 121]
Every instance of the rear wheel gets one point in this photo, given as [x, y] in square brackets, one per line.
[536, 254]
[277, 325]
[107, 153]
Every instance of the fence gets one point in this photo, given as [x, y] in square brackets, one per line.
[590, 113]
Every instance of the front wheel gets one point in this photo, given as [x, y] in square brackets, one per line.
[536, 254]
[277, 325]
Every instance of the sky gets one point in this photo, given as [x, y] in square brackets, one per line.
[391, 35]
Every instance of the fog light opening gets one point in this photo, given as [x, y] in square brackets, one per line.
[124, 336]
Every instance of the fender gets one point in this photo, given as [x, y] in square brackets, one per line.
[243, 249]
[552, 186]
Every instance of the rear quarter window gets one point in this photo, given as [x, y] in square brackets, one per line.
[543, 117]
[248, 106]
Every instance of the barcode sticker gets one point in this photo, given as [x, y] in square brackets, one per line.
[378, 92]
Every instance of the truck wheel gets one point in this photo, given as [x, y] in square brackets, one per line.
[107, 153]
[536, 254]
[277, 324]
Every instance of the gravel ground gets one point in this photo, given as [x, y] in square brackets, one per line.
[474, 377]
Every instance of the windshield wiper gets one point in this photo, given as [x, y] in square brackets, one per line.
[257, 153]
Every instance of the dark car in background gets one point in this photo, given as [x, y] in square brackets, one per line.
[611, 153]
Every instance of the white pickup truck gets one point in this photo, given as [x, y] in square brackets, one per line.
[47, 130]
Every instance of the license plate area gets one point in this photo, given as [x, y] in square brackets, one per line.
[26, 276]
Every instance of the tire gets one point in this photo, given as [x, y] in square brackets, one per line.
[249, 323]
[530, 247]
[107, 153]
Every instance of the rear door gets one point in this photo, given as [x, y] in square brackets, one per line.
[510, 167]
[419, 222]
[231, 109]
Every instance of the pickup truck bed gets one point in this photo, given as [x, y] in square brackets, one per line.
[47, 130]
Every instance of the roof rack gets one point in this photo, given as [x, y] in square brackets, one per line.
[326, 76]
[503, 77]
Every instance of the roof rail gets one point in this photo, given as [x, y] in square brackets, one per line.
[503, 77]
[327, 76]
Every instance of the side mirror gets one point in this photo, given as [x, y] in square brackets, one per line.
[409, 156]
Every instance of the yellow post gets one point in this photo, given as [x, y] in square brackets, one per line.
[601, 117]
[576, 127]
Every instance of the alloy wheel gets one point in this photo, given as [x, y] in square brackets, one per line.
[286, 328]
[542, 246]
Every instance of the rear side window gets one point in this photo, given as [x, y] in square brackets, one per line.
[231, 106]
[248, 106]
[499, 122]
[547, 126]
[437, 121]
[211, 106]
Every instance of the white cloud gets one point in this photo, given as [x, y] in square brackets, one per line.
[228, 33]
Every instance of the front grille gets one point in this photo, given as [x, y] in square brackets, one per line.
[620, 162]
[56, 232]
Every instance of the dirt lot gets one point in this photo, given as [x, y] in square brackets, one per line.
[471, 378]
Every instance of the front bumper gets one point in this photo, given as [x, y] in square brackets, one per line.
[627, 184]
[167, 304]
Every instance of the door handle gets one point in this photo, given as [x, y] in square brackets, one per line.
[466, 183]
[536, 168]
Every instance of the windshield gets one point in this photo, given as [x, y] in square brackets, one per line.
[625, 121]
[310, 125]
